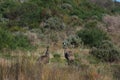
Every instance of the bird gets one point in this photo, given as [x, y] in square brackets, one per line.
[44, 59]
[69, 55]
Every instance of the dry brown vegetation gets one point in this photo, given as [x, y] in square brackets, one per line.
[113, 27]
[25, 68]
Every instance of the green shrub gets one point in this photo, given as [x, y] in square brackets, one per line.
[21, 14]
[92, 36]
[30, 10]
[91, 24]
[56, 58]
[54, 23]
[106, 51]
[85, 10]
[5, 39]
[21, 42]
[56, 55]
[116, 9]
[6, 5]
[66, 6]
[73, 40]
[10, 41]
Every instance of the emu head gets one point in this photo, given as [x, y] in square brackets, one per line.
[64, 44]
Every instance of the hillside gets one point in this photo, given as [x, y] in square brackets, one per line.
[89, 28]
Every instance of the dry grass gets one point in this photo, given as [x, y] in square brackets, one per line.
[28, 70]
[25, 68]
[113, 27]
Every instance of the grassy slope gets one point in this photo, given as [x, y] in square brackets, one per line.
[30, 15]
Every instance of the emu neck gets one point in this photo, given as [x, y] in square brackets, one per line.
[65, 50]
[47, 52]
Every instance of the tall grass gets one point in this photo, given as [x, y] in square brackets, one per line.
[26, 68]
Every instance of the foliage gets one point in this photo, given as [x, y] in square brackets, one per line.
[5, 39]
[54, 23]
[21, 14]
[56, 55]
[92, 36]
[30, 10]
[116, 10]
[106, 51]
[56, 58]
[10, 41]
[5, 6]
[16, 15]
[91, 24]
[21, 41]
[73, 40]
[86, 10]
[66, 6]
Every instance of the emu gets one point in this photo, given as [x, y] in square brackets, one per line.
[68, 55]
[44, 59]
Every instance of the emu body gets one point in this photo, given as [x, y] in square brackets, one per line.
[44, 59]
[69, 56]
